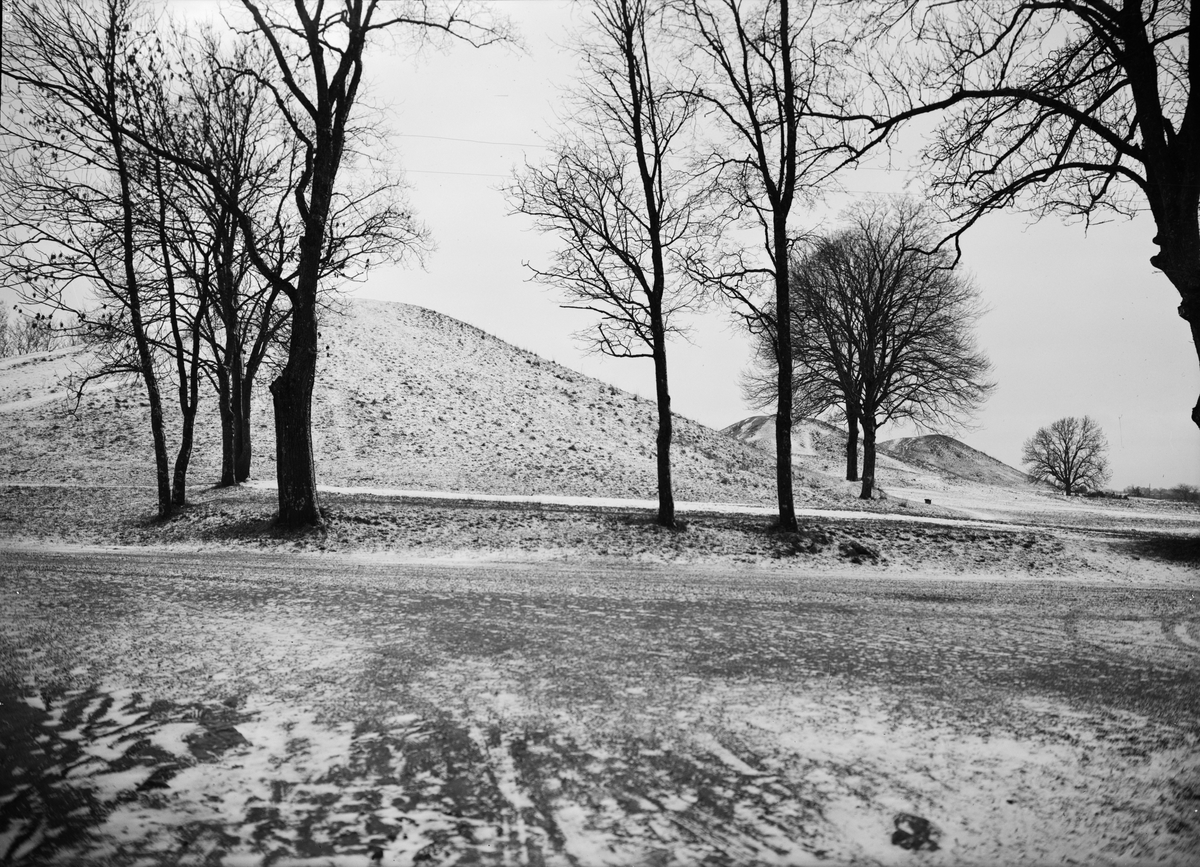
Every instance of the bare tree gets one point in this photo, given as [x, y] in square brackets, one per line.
[619, 201]
[1078, 107]
[1070, 454]
[30, 333]
[72, 173]
[318, 55]
[233, 129]
[883, 327]
[762, 69]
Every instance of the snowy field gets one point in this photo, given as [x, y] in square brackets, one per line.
[266, 708]
[491, 655]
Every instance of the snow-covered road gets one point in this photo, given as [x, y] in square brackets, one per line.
[242, 706]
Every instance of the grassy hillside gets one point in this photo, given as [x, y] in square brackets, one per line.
[406, 398]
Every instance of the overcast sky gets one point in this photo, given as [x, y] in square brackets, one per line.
[1078, 323]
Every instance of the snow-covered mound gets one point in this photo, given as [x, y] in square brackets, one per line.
[819, 449]
[950, 457]
[906, 464]
[411, 398]
[405, 398]
[810, 437]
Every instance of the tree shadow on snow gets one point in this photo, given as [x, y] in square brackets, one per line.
[1170, 549]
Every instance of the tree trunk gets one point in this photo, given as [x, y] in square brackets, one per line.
[1194, 322]
[184, 456]
[783, 413]
[190, 402]
[1173, 176]
[292, 393]
[161, 459]
[868, 473]
[228, 448]
[244, 452]
[666, 497]
[851, 447]
[1187, 281]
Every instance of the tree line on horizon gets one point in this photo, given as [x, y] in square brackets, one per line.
[214, 187]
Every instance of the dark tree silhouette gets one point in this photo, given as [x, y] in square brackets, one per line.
[233, 129]
[762, 71]
[614, 192]
[1076, 106]
[883, 327]
[1070, 454]
[318, 55]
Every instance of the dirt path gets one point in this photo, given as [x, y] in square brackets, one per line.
[247, 708]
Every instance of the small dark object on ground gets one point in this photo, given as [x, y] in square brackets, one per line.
[857, 551]
[928, 502]
[913, 832]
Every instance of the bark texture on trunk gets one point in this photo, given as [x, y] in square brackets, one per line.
[184, 456]
[783, 414]
[244, 451]
[235, 377]
[851, 447]
[1179, 260]
[227, 428]
[162, 470]
[868, 472]
[666, 496]
[292, 392]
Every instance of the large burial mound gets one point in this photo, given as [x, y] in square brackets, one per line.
[948, 456]
[405, 398]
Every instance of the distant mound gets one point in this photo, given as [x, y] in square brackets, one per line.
[819, 448]
[810, 437]
[405, 398]
[950, 457]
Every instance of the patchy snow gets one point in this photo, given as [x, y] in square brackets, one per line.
[408, 401]
[289, 721]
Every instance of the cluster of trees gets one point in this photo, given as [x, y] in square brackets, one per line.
[204, 183]
[881, 330]
[208, 189]
[24, 333]
[698, 126]
[1179, 493]
[1182, 493]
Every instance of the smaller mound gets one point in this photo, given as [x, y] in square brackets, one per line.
[950, 457]
[810, 437]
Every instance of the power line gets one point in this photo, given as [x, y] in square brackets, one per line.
[516, 144]
[466, 174]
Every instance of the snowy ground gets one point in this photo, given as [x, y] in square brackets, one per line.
[242, 708]
[490, 653]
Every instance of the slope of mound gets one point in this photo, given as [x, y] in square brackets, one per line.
[947, 455]
[819, 450]
[411, 398]
[810, 437]
[406, 398]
